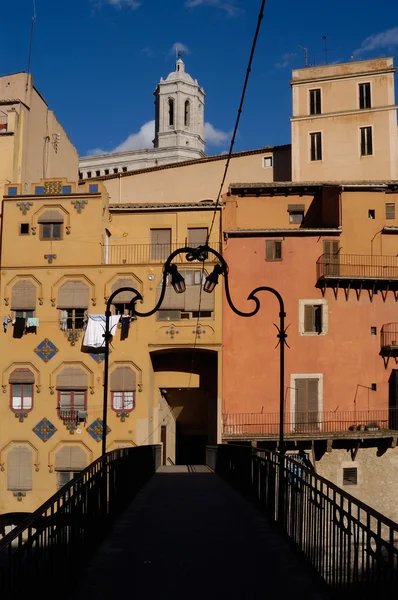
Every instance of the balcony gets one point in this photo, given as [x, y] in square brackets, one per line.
[144, 254]
[312, 424]
[389, 339]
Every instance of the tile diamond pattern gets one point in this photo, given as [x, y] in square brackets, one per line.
[44, 429]
[46, 350]
[96, 429]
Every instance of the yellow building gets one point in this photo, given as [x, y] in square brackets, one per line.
[63, 253]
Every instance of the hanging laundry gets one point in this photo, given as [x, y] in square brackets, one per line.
[94, 334]
[19, 327]
[64, 320]
[125, 322]
[5, 324]
[32, 324]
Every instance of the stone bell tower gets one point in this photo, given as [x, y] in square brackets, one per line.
[179, 114]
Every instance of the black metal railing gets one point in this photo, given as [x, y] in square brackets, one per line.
[389, 336]
[357, 266]
[138, 254]
[313, 422]
[352, 546]
[53, 543]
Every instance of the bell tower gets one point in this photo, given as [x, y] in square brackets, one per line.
[179, 113]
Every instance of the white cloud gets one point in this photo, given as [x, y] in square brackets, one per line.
[377, 41]
[230, 6]
[179, 47]
[285, 60]
[144, 137]
[133, 4]
[213, 136]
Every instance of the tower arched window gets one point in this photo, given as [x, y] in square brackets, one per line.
[171, 111]
[187, 113]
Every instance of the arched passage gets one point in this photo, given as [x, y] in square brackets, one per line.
[186, 381]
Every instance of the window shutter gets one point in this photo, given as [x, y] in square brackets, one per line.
[70, 458]
[72, 378]
[160, 244]
[300, 385]
[390, 210]
[161, 236]
[123, 297]
[19, 469]
[309, 318]
[123, 379]
[171, 300]
[197, 236]
[193, 297]
[318, 318]
[269, 250]
[73, 294]
[312, 395]
[22, 376]
[51, 216]
[23, 295]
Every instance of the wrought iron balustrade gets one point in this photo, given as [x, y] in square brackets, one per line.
[389, 336]
[311, 422]
[357, 266]
[353, 547]
[52, 544]
[138, 254]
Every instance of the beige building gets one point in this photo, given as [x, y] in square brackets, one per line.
[344, 123]
[33, 144]
[73, 250]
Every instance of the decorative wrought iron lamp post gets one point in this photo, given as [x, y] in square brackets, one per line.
[201, 254]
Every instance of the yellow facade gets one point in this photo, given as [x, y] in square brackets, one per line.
[175, 362]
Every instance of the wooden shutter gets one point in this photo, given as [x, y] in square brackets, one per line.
[123, 379]
[51, 216]
[306, 410]
[312, 394]
[19, 469]
[301, 405]
[330, 247]
[73, 294]
[72, 378]
[192, 298]
[171, 301]
[123, 297]
[309, 318]
[70, 458]
[160, 244]
[23, 295]
[22, 376]
[197, 236]
[269, 249]
[390, 210]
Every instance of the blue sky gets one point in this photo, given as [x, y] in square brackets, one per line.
[97, 62]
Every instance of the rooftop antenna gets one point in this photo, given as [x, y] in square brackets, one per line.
[306, 54]
[31, 42]
[324, 37]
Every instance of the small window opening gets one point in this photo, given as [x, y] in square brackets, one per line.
[124, 169]
[350, 476]
[374, 387]
[373, 330]
[24, 228]
[371, 213]
[98, 173]
[171, 111]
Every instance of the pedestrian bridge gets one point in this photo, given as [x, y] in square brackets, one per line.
[249, 524]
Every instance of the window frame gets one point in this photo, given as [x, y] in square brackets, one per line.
[20, 229]
[72, 319]
[390, 206]
[123, 408]
[363, 97]
[22, 409]
[324, 319]
[315, 101]
[268, 158]
[274, 253]
[364, 139]
[72, 408]
[51, 237]
[316, 150]
[293, 378]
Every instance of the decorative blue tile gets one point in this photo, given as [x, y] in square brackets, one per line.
[39, 189]
[96, 429]
[93, 188]
[97, 357]
[46, 350]
[44, 429]
[12, 191]
[66, 189]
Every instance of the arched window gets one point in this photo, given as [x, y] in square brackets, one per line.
[69, 461]
[121, 301]
[72, 384]
[187, 113]
[123, 386]
[21, 390]
[19, 469]
[73, 298]
[23, 298]
[171, 111]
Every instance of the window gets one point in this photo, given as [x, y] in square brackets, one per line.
[296, 213]
[72, 384]
[123, 386]
[23, 297]
[364, 96]
[71, 401]
[116, 170]
[73, 299]
[187, 113]
[69, 461]
[64, 477]
[106, 171]
[19, 469]
[390, 210]
[192, 299]
[330, 246]
[273, 250]
[169, 315]
[366, 141]
[88, 174]
[21, 389]
[12, 191]
[313, 317]
[160, 244]
[122, 300]
[98, 173]
[51, 225]
[124, 169]
[373, 330]
[202, 314]
[306, 404]
[72, 319]
[171, 112]
[93, 188]
[267, 162]
[350, 476]
[371, 213]
[316, 146]
[80, 175]
[315, 102]
[24, 229]
[197, 236]
[24, 314]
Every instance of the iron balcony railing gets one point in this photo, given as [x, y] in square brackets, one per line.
[3, 124]
[389, 336]
[357, 266]
[353, 547]
[295, 423]
[138, 254]
[53, 544]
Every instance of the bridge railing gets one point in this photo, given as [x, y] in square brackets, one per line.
[52, 544]
[352, 546]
